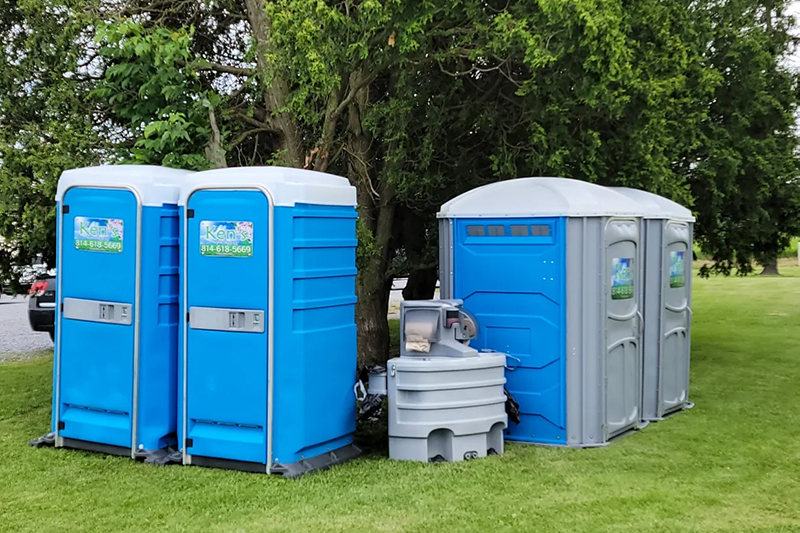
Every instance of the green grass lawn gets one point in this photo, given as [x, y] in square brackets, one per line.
[730, 464]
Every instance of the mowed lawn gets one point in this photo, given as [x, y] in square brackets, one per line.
[730, 464]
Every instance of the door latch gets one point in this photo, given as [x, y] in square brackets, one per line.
[106, 312]
[236, 319]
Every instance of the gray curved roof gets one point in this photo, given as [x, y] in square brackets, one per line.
[533, 197]
[655, 206]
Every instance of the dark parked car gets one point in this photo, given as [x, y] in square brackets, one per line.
[42, 305]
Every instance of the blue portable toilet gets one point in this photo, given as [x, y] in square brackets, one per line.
[549, 268]
[269, 336]
[117, 314]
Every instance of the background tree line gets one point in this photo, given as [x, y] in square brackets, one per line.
[414, 102]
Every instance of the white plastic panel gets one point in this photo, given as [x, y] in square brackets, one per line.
[154, 185]
[287, 186]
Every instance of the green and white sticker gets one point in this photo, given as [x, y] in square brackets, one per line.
[226, 238]
[98, 234]
[622, 278]
[677, 270]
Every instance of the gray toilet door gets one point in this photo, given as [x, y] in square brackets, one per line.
[623, 359]
[676, 285]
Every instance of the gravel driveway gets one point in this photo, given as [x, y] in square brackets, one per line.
[17, 340]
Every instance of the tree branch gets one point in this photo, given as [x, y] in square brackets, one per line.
[252, 121]
[245, 134]
[204, 64]
[214, 151]
[354, 88]
[88, 60]
[368, 181]
[472, 69]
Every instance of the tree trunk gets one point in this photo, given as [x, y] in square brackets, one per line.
[376, 204]
[421, 254]
[373, 285]
[376, 210]
[371, 315]
[421, 284]
[215, 153]
[771, 268]
[276, 94]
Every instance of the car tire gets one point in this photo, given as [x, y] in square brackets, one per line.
[52, 336]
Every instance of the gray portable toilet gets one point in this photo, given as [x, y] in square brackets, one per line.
[548, 267]
[667, 235]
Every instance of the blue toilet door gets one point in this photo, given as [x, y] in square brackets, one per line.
[510, 274]
[98, 272]
[227, 339]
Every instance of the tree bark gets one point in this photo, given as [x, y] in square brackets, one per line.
[373, 286]
[421, 284]
[375, 201]
[376, 209]
[770, 268]
[421, 257]
[215, 153]
[372, 290]
[323, 150]
[277, 93]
